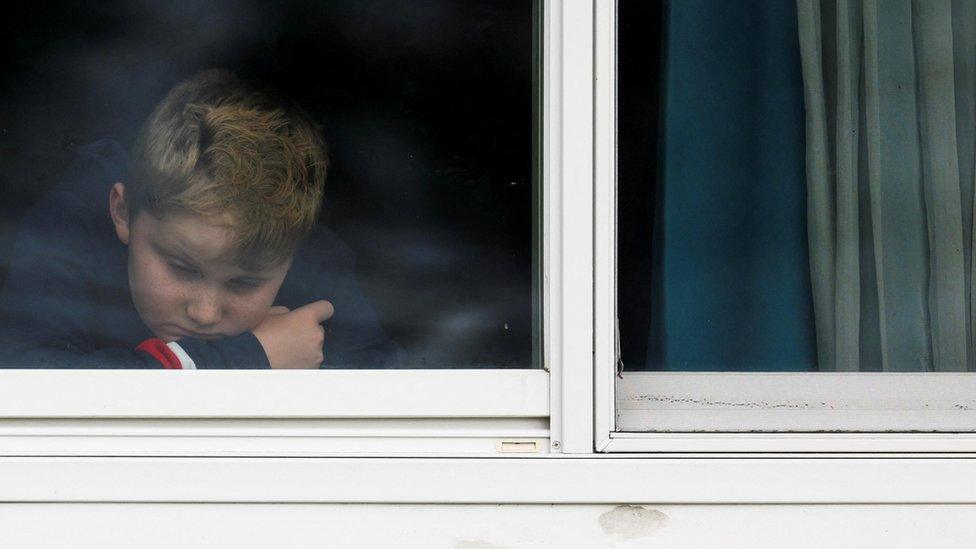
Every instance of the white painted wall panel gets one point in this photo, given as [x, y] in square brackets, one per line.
[483, 526]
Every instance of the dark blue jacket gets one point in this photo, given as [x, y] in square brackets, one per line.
[66, 301]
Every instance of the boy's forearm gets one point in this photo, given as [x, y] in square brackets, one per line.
[240, 352]
[46, 356]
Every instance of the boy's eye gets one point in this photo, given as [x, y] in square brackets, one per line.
[181, 269]
[243, 285]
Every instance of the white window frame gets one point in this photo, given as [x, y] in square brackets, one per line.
[412, 436]
[748, 412]
[406, 412]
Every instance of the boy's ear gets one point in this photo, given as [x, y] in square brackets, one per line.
[119, 211]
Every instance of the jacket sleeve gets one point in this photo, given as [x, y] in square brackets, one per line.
[354, 338]
[240, 352]
[243, 351]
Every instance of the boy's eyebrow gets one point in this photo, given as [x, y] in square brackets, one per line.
[177, 247]
[178, 253]
[176, 250]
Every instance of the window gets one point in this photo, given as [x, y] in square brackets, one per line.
[790, 180]
[432, 140]
[371, 436]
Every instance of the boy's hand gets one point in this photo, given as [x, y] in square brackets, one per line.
[293, 339]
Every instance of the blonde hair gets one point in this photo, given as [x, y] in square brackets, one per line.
[219, 145]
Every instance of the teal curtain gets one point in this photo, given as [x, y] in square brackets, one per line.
[731, 270]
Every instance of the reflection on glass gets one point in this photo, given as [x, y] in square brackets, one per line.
[805, 179]
[158, 214]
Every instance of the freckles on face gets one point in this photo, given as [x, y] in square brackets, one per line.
[184, 282]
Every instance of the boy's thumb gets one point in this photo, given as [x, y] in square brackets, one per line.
[322, 310]
[278, 310]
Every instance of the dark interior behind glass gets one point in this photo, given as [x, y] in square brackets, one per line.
[427, 108]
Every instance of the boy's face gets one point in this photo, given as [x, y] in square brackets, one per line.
[183, 279]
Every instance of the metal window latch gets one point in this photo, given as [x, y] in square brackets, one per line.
[517, 446]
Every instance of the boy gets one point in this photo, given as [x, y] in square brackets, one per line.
[204, 253]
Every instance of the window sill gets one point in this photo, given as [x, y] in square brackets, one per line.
[273, 394]
[821, 444]
[542, 479]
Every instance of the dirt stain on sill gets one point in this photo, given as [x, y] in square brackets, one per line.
[632, 521]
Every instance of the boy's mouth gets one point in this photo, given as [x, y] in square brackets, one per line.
[178, 333]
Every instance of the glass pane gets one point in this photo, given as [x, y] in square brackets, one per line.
[796, 187]
[425, 244]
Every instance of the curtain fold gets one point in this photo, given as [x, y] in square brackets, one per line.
[894, 178]
[820, 206]
[889, 90]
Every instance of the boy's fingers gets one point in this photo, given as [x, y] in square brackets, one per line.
[322, 310]
[278, 310]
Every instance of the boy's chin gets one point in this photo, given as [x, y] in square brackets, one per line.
[168, 336]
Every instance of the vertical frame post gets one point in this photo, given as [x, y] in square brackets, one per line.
[604, 219]
[568, 157]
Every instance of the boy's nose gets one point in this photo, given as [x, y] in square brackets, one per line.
[204, 310]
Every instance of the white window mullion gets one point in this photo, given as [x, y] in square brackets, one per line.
[568, 105]
[604, 248]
